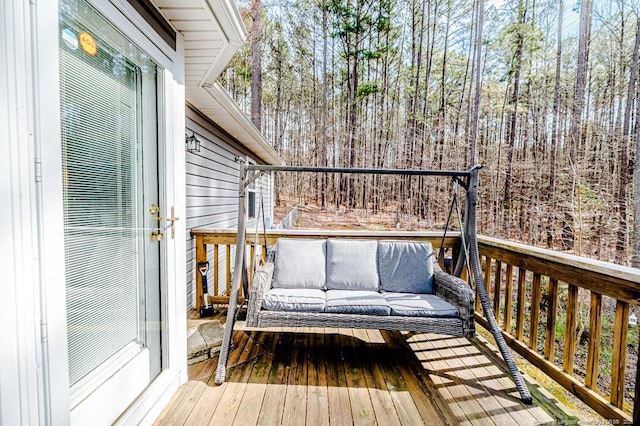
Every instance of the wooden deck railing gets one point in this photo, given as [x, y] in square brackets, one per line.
[534, 292]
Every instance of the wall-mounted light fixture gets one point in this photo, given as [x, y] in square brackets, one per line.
[193, 143]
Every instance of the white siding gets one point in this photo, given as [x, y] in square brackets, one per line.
[212, 192]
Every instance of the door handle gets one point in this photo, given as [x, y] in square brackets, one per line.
[172, 220]
[157, 235]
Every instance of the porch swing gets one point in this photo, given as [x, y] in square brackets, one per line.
[450, 289]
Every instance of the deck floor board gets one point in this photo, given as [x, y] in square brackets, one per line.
[347, 377]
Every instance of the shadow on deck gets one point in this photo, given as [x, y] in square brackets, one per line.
[344, 376]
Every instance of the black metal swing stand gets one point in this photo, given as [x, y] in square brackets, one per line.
[467, 179]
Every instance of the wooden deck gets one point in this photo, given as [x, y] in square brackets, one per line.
[343, 376]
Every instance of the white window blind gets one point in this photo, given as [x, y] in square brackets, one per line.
[103, 200]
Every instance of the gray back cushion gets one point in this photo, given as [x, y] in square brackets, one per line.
[352, 265]
[300, 264]
[405, 267]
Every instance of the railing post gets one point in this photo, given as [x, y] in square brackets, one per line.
[201, 256]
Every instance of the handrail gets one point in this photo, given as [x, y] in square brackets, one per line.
[609, 279]
[524, 273]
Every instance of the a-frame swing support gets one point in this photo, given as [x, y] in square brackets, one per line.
[468, 180]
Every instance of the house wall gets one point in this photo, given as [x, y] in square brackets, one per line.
[212, 190]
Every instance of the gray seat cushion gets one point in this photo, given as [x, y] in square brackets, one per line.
[356, 302]
[300, 264]
[420, 305]
[297, 300]
[405, 267]
[352, 265]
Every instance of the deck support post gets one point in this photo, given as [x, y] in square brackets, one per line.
[238, 272]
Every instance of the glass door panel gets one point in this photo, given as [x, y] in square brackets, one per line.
[109, 93]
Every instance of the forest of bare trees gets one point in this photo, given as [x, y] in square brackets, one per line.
[541, 93]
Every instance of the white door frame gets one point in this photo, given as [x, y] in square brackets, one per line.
[45, 306]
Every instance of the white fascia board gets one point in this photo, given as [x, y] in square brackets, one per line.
[219, 106]
[229, 21]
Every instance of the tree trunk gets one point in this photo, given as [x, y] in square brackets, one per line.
[551, 192]
[507, 201]
[256, 66]
[476, 101]
[324, 142]
[443, 92]
[626, 131]
[578, 105]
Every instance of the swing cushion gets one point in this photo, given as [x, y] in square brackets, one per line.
[355, 266]
[300, 264]
[294, 300]
[361, 302]
[420, 305]
[405, 267]
[352, 265]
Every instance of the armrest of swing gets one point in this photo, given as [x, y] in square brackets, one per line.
[261, 284]
[457, 292]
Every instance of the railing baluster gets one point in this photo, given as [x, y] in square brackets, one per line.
[595, 330]
[228, 269]
[252, 259]
[536, 295]
[619, 353]
[636, 399]
[487, 279]
[571, 329]
[496, 289]
[508, 289]
[552, 313]
[522, 275]
[216, 270]
[455, 252]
